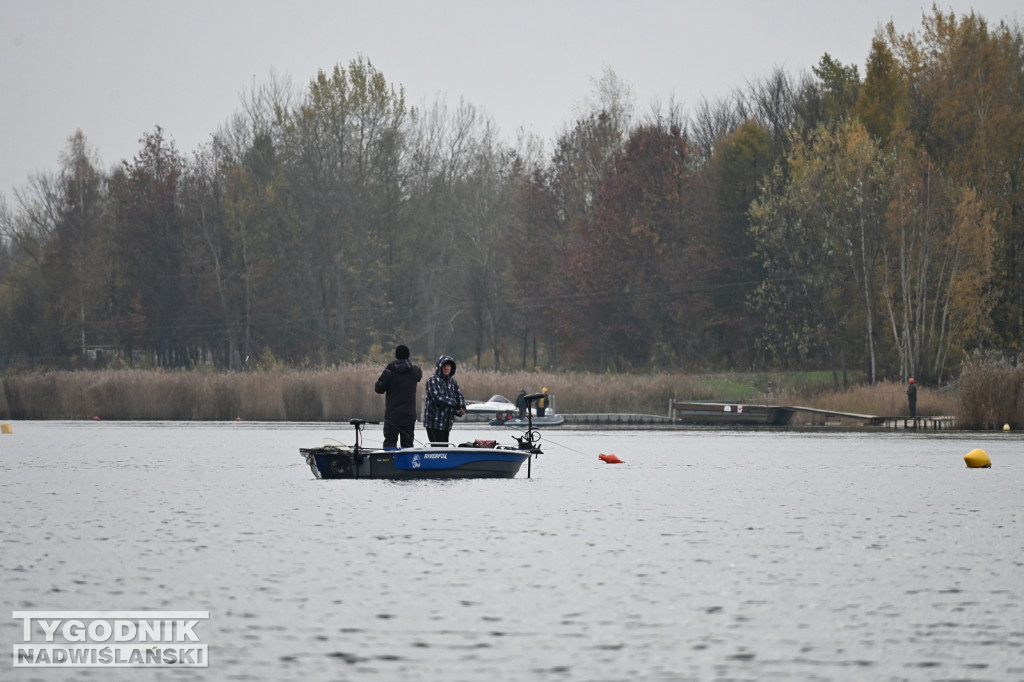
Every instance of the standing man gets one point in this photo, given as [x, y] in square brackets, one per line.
[521, 403]
[444, 401]
[543, 403]
[398, 381]
[912, 397]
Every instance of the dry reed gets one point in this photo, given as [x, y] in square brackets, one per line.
[886, 398]
[336, 394]
[993, 394]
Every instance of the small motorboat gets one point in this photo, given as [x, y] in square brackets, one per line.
[476, 459]
[531, 415]
[500, 411]
[495, 407]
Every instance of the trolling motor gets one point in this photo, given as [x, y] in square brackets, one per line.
[531, 438]
[357, 454]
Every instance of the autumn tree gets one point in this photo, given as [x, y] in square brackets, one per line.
[258, 225]
[636, 273]
[883, 100]
[817, 230]
[24, 233]
[150, 287]
[936, 252]
[535, 241]
[212, 255]
[341, 150]
[967, 111]
[76, 262]
[732, 179]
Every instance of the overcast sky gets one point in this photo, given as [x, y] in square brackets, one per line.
[116, 69]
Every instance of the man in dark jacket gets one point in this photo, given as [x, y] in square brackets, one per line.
[444, 401]
[398, 381]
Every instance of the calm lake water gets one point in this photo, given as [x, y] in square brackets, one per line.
[708, 555]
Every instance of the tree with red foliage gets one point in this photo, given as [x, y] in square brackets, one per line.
[635, 272]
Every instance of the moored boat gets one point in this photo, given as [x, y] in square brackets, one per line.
[694, 412]
[495, 407]
[500, 411]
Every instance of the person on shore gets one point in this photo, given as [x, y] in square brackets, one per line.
[521, 403]
[543, 403]
[912, 397]
[444, 401]
[398, 384]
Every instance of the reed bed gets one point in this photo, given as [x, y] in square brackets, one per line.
[336, 394]
[580, 392]
[992, 394]
[326, 395]
[886, 398]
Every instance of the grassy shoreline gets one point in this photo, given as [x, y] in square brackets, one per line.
[346, 392]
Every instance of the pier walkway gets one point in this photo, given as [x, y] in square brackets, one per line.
[691, 413]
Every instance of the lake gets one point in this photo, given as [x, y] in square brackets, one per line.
[707, 555]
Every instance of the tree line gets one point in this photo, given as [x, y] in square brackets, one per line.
[865, 223]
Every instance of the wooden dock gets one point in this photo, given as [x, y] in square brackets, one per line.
[823, 417]
[708, 413]
[924, 423]
[692, 413]
[614, 419]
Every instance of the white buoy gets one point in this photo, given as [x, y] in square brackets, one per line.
[1006, 427]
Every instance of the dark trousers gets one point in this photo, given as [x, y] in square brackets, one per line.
[913, 406]
[437, 435]
[392, 432]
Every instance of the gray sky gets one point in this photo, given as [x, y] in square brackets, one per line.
[117, 68]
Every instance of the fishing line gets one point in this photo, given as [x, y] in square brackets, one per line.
[565, 447]
[535, 437]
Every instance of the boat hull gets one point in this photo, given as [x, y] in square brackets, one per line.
[687, 412]
[330, 462]
[554, 420]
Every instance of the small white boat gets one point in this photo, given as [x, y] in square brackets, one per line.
[503, 412]
[495, 407]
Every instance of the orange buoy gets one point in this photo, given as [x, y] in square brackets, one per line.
[610, 459]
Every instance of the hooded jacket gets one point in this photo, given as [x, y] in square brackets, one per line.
[398, 381]
[444, 398]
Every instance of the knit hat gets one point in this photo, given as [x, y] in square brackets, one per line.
[402, 352]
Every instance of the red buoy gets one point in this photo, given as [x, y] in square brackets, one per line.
[610, 459]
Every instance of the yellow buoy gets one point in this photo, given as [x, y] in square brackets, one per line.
[1006, 427]
[6, 428]
[977, 459]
